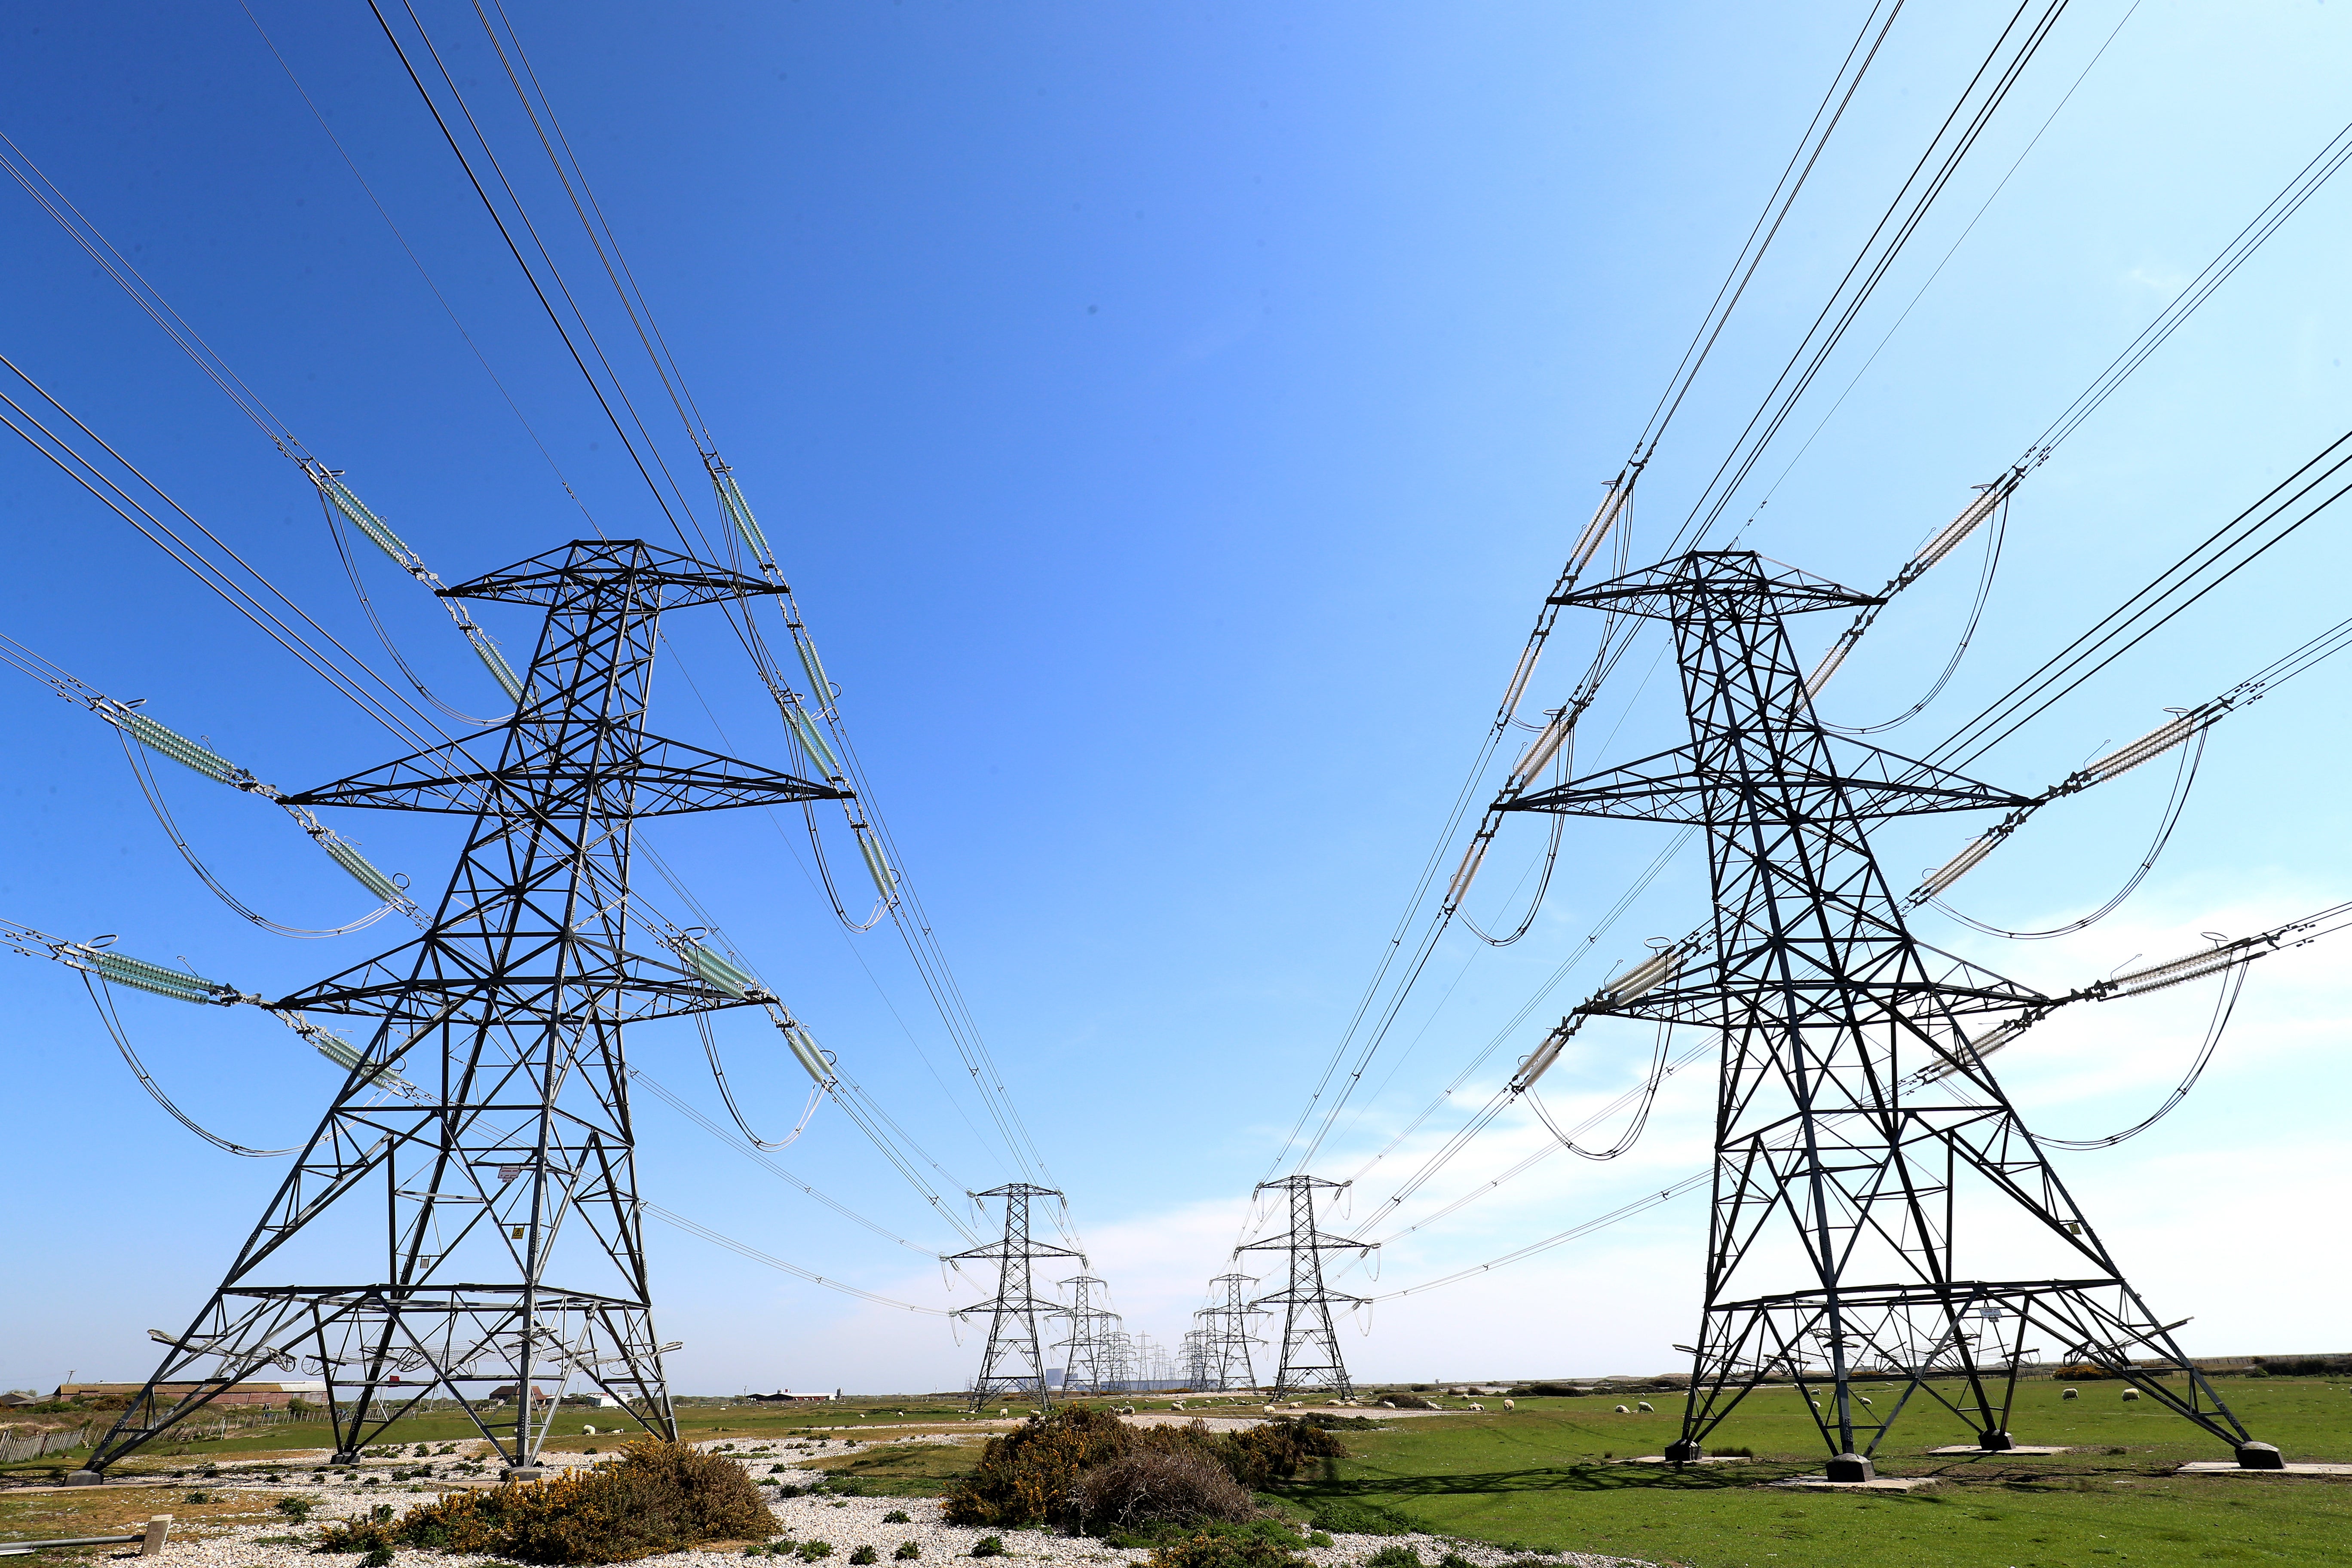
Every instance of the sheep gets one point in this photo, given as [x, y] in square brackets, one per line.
[2071, 1393]
[588, 1431]
[1479, 1408]
[1388, 1405]
[1645, 1407]
[1866, 1400]
[2131, 1394]
[1510, 1404]
[1623, 1411]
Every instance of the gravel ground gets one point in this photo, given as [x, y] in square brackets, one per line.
[846, 1522]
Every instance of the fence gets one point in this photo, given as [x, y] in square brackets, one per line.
[34, 1445]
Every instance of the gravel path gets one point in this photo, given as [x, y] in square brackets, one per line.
[846, 1522]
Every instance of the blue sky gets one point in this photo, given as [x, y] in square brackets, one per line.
[1170, 417]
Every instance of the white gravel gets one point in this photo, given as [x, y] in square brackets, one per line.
[846, 1522]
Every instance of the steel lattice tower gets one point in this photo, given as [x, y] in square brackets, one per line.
[1200, 1359]
[1117, 1360]
[1084, 1365]
[1855, 1124]
[1229, 1333]
[1016, 1308]
[1310, 1344]
[505, 1190]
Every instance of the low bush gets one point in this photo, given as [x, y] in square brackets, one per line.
[1409, 1401]
[896, 1516]
[1227, 1551]
[907, 1552]
[1039, 1473]
[989, 1546]
[1149, 1487]
[1393, 1557]
[657, 1498]
[1347, 1516]
[297, 1507]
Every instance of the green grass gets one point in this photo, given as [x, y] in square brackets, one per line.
[895, 1470]
[1552, 1475]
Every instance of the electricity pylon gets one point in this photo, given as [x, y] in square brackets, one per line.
[1014, 1310]
[504, 1191]
[1118, 1360]
[1200, 1359]
[1852, 1101]
[1229, 1337]
[1310, 1344]
[1084, 1351]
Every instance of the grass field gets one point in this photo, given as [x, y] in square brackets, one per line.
[1556, 1475]
[1553, 1475]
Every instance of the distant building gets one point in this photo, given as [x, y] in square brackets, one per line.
[269, 1395]
[505, 1392]
[789, 1397]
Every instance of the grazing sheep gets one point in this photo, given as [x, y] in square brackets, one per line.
[1864, 1398]
[1645, 1407]
[1479, 1408]
[1510, 1404]
[1623, 1411]
[1388, 1405]
[589, 1431]
[2071, 1393]
[2131, 1394]
[1817, 1405]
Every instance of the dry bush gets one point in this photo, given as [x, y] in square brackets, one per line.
[1153, 1487]
[658, 1498]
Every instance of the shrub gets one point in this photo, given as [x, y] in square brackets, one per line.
[896, 1516]
[296, 1509]
[1409, 1401]
[1455, 1560]
[657, 1498]
[813, 1549]
[1264, 1456]
[863, 1554]
[377, 1557]
[1152, 1486]
[1393, 1557]
[1025, 1477]
[1224, 1551]
[907, 1552]
[989, 1546]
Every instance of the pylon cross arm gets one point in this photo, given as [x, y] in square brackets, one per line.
[667, 778]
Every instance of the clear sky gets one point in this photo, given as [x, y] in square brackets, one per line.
[1170, 417]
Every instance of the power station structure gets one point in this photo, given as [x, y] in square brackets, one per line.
[1014, 1358]
[1310, 1355]
[481, 1145]
[1085, 1354]
[1225, 1330]
[1856, 1120]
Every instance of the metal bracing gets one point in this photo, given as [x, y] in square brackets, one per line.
[1841, 1168]
[1310, 1344]
[1226, 1326]
[1017, 1309]
[1085, 1358]
[483, 1234]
